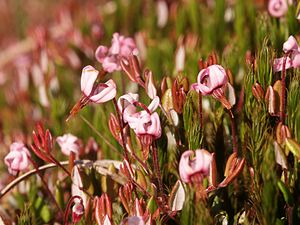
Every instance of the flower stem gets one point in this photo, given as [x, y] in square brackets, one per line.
[157, 169]
[121, 123]
[200, 112]
[283, 86]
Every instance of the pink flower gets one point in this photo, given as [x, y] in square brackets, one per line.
[196, 168]
[97, 93]
[278, 8]
[210, 79]
[18, 158]
[68, 143]
[77, 212]
[110, 57]
[126, 104]
[145, 122]
[213, 81]
[293, 60]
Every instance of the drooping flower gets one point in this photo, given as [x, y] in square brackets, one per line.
[97, 93]
[212, 81]
[145, 122]
[68, 143]
[18, 158]
[120, 47]
[293, 60]
[77, 212]
[278, 8]
[93, 91]
[196, 168]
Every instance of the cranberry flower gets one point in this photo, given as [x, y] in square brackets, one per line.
[18, 158]
[145, 123]
[68, 143]
[120, 47]
[93, 91]
[293, 60]
[97, 93]
[194, 169]
[278, 8]
[213, 81]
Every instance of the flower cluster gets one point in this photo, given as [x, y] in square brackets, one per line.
[120, 47]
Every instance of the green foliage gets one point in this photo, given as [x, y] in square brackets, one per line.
[190, 118]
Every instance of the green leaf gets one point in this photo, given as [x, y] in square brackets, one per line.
[293, 146]
[286, 193]
[45, 213]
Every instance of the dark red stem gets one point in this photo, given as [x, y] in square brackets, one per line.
[283, 86]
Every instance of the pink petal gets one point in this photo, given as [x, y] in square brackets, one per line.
[278, 64]
[101, 53]
[290, 45]
[88, 77]
[105, 93]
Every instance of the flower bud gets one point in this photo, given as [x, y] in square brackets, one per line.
[257, 91]
[282, 132]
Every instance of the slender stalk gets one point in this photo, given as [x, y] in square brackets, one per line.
[200, 111]
[283, 86]
[105, 139]
[157, 169]
[121, 123]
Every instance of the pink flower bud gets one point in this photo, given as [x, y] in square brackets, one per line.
[210, 79]
[77, 212]
[195, 168]
[18, 158]
[278, 8]
[68, 143]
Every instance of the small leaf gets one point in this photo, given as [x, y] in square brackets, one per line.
[45, 213]
[286, 193]
[293, 146]
[152, 206]
[177, 197]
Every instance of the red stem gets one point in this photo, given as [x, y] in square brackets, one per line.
[200, 111]
[283, 86]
